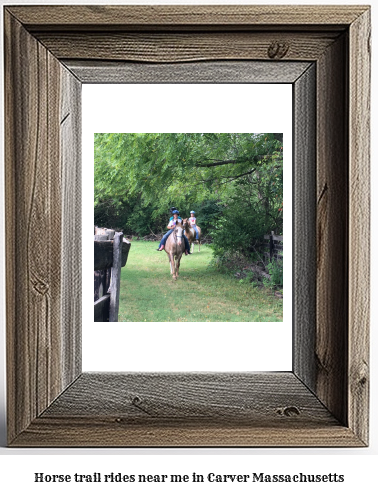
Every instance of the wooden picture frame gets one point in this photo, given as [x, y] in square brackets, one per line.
[49, 52]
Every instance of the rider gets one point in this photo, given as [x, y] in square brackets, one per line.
[171, 224]
[192, 221]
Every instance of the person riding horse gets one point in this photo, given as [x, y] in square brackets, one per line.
[193, 222]
[172, 222]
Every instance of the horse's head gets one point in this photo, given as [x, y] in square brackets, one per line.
[178, 233]
[186, 224]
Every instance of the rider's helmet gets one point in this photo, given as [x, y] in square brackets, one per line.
[175, 212]
[192, 212]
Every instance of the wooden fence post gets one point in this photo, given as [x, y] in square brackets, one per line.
[115, 282]
[275, 245]
[111, 252]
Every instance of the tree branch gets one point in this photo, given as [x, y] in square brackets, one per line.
[229, 178]
[233, 178]
[217, 163]
[232, 162]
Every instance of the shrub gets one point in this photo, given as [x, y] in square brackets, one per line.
[275, 269]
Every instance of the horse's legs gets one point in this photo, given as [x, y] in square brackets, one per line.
[176, 270]
[170, 257]
[192, 249]
[178, 264]
[173, 265]
[176, 267]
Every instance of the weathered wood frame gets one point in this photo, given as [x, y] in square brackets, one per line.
[324, 400]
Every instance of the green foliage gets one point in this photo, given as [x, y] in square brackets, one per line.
[148, 293]
[237, 231]
[208, 213]
[229, 262]
[232, 181]
[275, 269]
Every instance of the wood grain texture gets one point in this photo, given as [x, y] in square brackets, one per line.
[33, 212]
[183, 16]
[193, 409]
[103, 254]
[202, 72]
[70, 143]
[331, 351]
[180, 47]
[42, 148]
[236, 396]
[115, 282]
[94, 432]
[359, 226]
[36, 351]
[304, 229]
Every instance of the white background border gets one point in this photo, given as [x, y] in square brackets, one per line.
[190, 346]
[16, 474]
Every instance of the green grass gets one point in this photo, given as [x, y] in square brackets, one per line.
[148, 292]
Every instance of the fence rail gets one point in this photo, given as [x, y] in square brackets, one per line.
[275, 250]
[111, 250]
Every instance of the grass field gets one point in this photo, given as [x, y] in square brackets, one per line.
[148, 292]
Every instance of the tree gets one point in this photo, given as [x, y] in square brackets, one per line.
[142, 175]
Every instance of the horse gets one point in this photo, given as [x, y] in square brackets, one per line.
[190, 233]
[175, 247]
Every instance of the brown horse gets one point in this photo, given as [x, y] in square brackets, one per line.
[190, 233]
[175, 247]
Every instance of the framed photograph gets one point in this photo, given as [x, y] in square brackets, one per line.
[323, 52]
[240, 204]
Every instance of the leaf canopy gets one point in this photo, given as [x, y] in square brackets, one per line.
[139, 176]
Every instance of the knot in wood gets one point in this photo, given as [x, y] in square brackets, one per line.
[361, 375]
[278, 50]
[288, 411]
[140, 404]
[363, 381]
[40, 287]
[136, 400]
